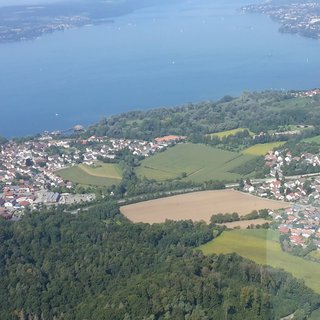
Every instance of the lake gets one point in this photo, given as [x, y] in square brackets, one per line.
[186, 51]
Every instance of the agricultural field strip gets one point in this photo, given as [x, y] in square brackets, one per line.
[97, 173]
[266, 250]
[198, 161]
[177, 172]
[243, 224]
[262, 149]
[197, 206]
[80, 176]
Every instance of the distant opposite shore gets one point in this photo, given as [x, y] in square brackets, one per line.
[81, 75]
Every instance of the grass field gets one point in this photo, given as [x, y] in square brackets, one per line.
[103, 174]
[262, 246]
[262, 149]
[315, 139]
[243, 224]
[315, 255]
[197, 206]
[199, 162]
[228, 133]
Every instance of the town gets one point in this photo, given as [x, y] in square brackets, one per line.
[301, 18]
[28, 169]
[300, 220]
[29, 22]
[29, 177]
[30, 30]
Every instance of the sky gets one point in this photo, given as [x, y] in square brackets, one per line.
[4, 3]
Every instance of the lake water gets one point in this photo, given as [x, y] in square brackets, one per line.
[188, 51]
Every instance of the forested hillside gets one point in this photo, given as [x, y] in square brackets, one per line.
[98, 265]
[255, 111]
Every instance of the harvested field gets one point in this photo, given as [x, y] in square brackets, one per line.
[197, 206]
[244, 224]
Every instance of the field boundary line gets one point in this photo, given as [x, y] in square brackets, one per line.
[161, 170]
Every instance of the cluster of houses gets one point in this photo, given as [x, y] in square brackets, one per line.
[296, 17]
[107, 148]
[28, 178]
[14, 199]
[305, 191]
[300, 223]
[277, 160]
[28, 170]
[308, 93]
[301, 220]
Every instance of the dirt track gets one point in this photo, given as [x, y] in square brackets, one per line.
[197, 206]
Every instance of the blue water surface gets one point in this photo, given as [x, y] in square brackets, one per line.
[185, 51]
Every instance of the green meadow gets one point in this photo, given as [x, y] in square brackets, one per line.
[101, 174]
[263, 247]
[315, 139]
[228, 133]
[262, 149]
[199, 163]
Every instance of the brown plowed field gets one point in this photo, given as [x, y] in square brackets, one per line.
[197, 206]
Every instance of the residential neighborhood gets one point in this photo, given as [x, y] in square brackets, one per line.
[301, 195]
[29, 179]
[302, 18]
[307, 93]
[28, 169]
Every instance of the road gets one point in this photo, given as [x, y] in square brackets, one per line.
[195, 189]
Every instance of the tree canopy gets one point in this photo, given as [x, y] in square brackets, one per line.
[99, 265]
[256, 111]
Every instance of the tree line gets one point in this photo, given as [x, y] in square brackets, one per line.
[99, 265]
[259, 112]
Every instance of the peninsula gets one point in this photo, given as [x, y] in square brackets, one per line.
[301, 18]
[18, 23]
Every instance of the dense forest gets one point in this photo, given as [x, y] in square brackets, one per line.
[98, 265]
[256, 111]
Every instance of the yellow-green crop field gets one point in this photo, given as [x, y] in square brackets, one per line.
[199, 162]
[263, 247]
[228, 133]
[262, 149]
[102, 174]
